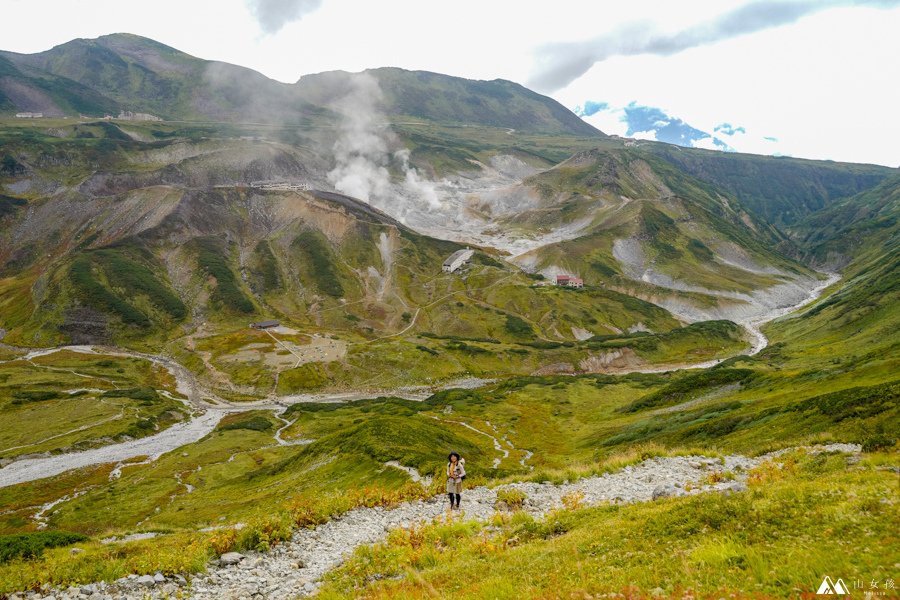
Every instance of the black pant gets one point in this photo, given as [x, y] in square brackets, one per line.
[452, 502]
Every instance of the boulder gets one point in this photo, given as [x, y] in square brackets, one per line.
[736, 486]
[663, 491]
[230, 558]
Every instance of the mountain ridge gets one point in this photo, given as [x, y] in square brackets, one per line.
[142, 75]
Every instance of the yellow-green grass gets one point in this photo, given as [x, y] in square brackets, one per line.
[19, 503]
[816, 516]
[67, 400]
[574, 426]
[236, 472]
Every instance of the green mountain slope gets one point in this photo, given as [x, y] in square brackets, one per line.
[27, 89]
[646, 228]
[780, 190]
[456, 101]
[141, 75]
[150, 235]
[129, 72]
[859, 226]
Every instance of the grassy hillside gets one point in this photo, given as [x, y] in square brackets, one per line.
[128, 72]
[157, 232]
[830, 376]
[447, 100]
[763, 542]
[50, 409]
[863, 225]
[780, 190]
[646, 229]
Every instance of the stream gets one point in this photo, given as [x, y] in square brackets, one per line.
[212, 409]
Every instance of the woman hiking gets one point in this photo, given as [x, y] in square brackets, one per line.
[456, 472]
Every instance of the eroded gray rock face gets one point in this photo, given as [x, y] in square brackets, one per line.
[294, 569]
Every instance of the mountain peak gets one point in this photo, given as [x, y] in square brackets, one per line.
[125, 71]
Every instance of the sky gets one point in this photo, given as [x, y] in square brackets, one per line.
[809, 78]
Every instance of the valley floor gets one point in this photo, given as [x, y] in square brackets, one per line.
[213, 408]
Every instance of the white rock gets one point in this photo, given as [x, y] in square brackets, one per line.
[231, 558]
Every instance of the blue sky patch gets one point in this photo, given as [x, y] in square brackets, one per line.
[668, 129]
[728, 129]
[590, 108]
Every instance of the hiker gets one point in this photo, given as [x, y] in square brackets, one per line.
[456, 472]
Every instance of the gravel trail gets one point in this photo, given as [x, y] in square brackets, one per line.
[295, 568]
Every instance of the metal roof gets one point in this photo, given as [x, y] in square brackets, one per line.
[271, 323]
[456, 255]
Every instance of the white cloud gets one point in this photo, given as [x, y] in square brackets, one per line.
[644, 135]
[821, 86]
[275, 14]
[708, 143]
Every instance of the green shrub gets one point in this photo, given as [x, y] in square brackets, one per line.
[458, 338]
[308, 376]
[269, 275]
[10, 166]
[35, 395]
[147, 394]
[700, 250]
[467, 348]
[30, 545]
[212, 256]
[486, 260]
[690, 386]
[603, 269]
[9, 205]
[878, 442]
[517, 326]
[511, 498]
[319, 262]
[140, 428]
[256, 423]
[122, 271]
[856, 402]
[94, 294]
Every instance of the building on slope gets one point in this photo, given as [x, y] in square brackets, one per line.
[457, 259]
[568, 281]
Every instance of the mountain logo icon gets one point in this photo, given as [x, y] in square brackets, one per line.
[832, 587]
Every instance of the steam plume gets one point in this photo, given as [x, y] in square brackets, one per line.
[361, 151]
[364, 153]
